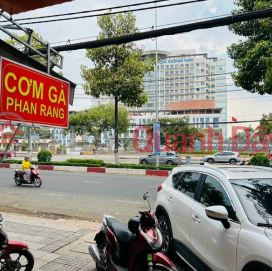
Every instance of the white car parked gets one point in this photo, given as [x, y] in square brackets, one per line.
[218, 218]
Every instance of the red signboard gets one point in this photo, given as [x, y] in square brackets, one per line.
[30, 96]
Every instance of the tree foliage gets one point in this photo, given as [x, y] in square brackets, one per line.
[266, 123]
[260, 160]
[250, 56]
[117, 71]
[35, 44]
[174, 126]
[44, 156]
[96, 120]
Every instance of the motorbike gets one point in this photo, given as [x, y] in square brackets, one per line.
[35, 178]
[243, 162]
[132, 247]
[14, 256]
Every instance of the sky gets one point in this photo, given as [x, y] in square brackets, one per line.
[241, 105]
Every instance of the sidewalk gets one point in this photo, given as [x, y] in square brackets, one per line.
[57, 245]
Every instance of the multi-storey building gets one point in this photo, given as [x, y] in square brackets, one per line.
[186, 75]
[183, 76]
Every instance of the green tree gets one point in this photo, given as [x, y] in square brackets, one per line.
[250, 56]
[118, 71]
[174, 126]
[266, 123]
[268, 76]
[35, 44]
[96, 120]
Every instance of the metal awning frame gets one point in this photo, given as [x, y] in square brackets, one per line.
[50, 51]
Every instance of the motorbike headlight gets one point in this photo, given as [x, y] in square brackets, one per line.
[153, 236]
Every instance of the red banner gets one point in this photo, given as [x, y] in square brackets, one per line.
[30, 96]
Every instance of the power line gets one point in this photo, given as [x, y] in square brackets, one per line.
[79, 98]
[88, 11]
[184, 78]
[182, 22]
[110, 13]
[166, 31]
[175, 94]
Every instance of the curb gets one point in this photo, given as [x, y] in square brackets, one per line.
[126, 171]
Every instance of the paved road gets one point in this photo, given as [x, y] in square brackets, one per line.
[81, 195]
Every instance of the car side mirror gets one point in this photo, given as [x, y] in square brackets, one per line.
[215, 155]
[219, 213]
[149, 155]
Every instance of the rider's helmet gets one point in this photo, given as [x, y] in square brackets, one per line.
[26, 157]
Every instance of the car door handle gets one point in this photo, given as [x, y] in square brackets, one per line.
[170, 199]
[196, 218]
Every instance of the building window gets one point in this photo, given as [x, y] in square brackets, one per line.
[202, 122]
[215, 125]
[207, 121]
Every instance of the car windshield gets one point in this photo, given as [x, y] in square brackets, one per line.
[256, 198]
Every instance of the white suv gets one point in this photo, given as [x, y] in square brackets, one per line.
[218, 218]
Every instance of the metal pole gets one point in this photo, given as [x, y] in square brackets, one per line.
[48, 58]
[156, 76]
[4, 154]
[29, 147]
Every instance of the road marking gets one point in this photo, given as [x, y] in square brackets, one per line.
[56, 195]
[134, 202]
[90, 182]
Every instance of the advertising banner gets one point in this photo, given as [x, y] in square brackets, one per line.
[31, 96]
[157, 137]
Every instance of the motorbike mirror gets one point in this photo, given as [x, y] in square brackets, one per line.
[146, 196]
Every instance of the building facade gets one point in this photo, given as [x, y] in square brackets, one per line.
[184, 76]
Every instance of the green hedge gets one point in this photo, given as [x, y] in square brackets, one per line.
[44, 156]
[84, 161]
[260, 160]
[107, 165]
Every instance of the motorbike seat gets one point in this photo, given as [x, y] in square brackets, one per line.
[121, 231]
[20, 171]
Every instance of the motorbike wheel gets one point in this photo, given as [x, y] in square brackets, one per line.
[21, 260]
[37, 182]
[18, 181]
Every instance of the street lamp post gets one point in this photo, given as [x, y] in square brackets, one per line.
[156, 78]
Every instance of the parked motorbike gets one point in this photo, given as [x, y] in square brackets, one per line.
[130, 248]
[14, 256]
[243, 162]
[35, 178]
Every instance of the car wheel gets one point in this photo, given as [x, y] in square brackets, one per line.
[169, 163]
[232, 161]
[144, 162]
[165, 229]
[210, 161]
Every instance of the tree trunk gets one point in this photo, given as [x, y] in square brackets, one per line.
[116, 132]
[96, 138]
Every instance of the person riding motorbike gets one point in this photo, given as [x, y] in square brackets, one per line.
[26, 169]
